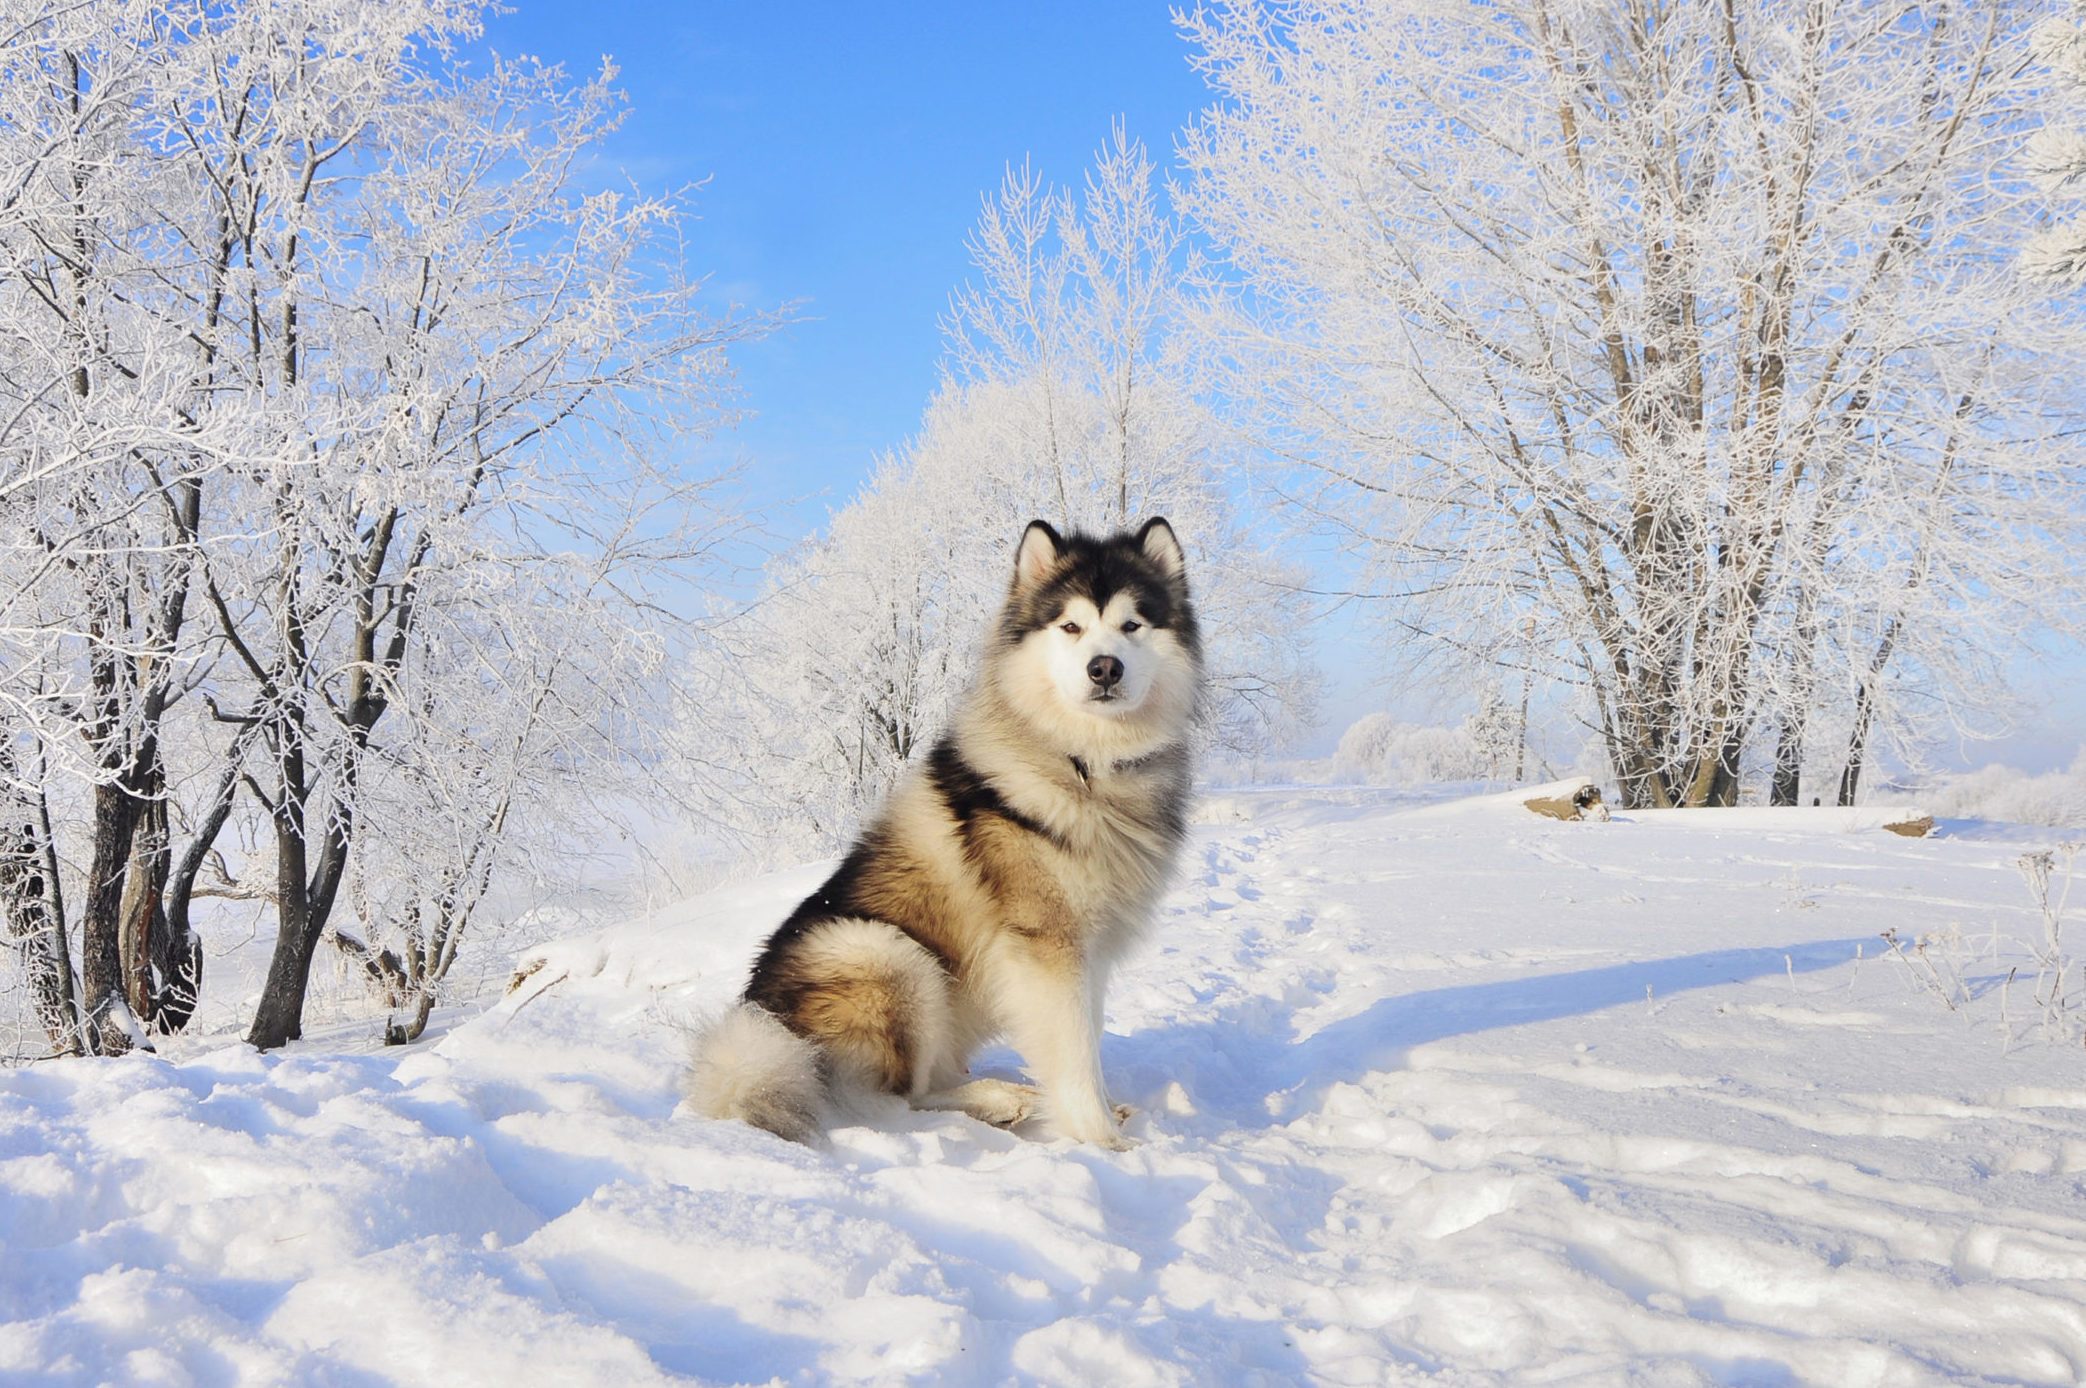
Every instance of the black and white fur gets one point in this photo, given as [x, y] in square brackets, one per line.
[1004, 876]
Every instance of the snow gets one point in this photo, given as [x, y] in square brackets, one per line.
[1453, 1095]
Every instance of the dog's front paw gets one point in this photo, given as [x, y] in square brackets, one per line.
[1105, 1131]
[1099, 1128]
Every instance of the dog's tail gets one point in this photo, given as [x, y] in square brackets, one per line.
[749, 1066]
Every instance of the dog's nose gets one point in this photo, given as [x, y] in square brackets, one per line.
[1105, 670]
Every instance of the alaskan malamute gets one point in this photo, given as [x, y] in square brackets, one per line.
[1004, 876]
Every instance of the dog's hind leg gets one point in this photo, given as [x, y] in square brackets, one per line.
[875, 1002]
[1002, 1103]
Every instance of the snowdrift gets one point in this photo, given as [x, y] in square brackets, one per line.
[1450, 1094]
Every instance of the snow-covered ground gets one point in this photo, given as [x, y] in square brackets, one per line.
[1447, 1094]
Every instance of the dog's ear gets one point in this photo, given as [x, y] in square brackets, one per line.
[1041, 547]
[1162, 547]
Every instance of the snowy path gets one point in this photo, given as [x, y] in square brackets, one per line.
[1450, 1095]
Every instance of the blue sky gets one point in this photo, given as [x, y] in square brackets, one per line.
[846, 147]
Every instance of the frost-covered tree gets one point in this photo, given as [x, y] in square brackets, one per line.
[2056, 155]
[1073, 305]
[475, 362]
[1071, 391]
[109, 444]
[349, 464]
[866, 635]
[1065, 398]
[526, 713]
[856, 651]
[1691, 333]
[1497, 733]
[1379, 750]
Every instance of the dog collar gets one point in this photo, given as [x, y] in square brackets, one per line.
[1085, 773]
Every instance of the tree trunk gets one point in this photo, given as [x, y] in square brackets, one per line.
[1857, 746]
[179, 956]
[1638, 783]
[1786, 785]
[101, 918]
[1864, 715]
[1723, 782]
[141, 926]
[1850, 774]
[38, 930]
[1521, 726]
[397, 1033]
[1786, 788]
[305, 895]
[279, 1017]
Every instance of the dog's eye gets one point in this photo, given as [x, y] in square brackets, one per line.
[1133, 626]
[1070, 628]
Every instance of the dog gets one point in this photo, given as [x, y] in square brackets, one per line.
[1005, 874]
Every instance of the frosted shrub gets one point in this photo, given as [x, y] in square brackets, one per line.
[1382, 751]
[2054, 798]
[2056, 996]
[2042, 984]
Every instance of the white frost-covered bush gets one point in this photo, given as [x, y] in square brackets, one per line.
[2055, 798]
[1382, 751]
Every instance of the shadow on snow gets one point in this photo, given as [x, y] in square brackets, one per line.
[1234, 1063]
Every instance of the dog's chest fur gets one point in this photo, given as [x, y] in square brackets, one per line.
[1085, 850]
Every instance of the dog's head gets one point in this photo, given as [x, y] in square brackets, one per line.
[1099, 637]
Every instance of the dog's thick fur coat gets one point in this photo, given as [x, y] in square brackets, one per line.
[1004, 875]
